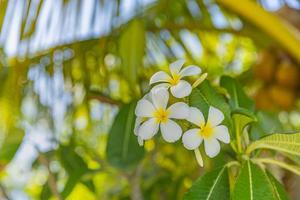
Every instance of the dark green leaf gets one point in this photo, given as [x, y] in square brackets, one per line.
[73, 179]
[238, 98]
[46, 192]
[278, 189]
[252, 184]
[123, 150]
[243, 111]
[75, 167]
[205, 96]
[90, 185]
[267, 123]
[212, 185]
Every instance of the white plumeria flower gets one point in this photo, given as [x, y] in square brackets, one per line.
[158, 116]
[179, 88]
[138, 122]
[210, 131]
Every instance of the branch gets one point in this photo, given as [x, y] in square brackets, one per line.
[102, 98]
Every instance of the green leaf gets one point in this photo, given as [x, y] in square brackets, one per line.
[292, 168]
[252, 184]
[46, 192]
[289, 143]
[266, 124]
[243, 111]
[241, 121]
[205, 96]
[278, 189]
[210, 186]
[238, 98]
[73, 179]
[132, 47]
[90, 185]
[10, 145]
[123, 150]
[75, 167]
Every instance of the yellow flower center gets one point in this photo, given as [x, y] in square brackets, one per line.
[206, 130]
[161, 115]
[175, 79]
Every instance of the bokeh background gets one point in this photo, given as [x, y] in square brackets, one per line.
[67, 66]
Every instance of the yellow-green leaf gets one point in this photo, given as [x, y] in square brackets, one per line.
[289, 143]
[292, 168]
[132, 45]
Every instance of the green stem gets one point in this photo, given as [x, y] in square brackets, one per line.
[199, 80]
[232, 163]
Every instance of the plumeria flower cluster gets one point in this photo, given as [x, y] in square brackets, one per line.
[154, 113]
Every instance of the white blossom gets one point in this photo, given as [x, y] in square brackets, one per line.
[178, 87]
[153, 114]
[211, 131]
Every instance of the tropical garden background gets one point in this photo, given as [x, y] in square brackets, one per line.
[68, 66]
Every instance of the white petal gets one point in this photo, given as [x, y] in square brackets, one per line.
[163, 85]
[222, 134]
[144, 108]
[160, 97]
[196, 116]
[182, 89]
[147, 97]
[191, 139]
[176, 66]
[160, 76]
[137, 124]
[179, 110]
[171, 131]
[148, 129]
[215, 116]
[190, 71]
[212, 147]
[140, 141]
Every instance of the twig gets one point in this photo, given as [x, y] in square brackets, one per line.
[51, 180]
[3, 191]
[102, 98]
[134, 181]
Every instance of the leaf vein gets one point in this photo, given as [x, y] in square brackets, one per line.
[214, 184]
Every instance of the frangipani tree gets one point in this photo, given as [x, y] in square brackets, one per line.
[245, 174]
[92, 89]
